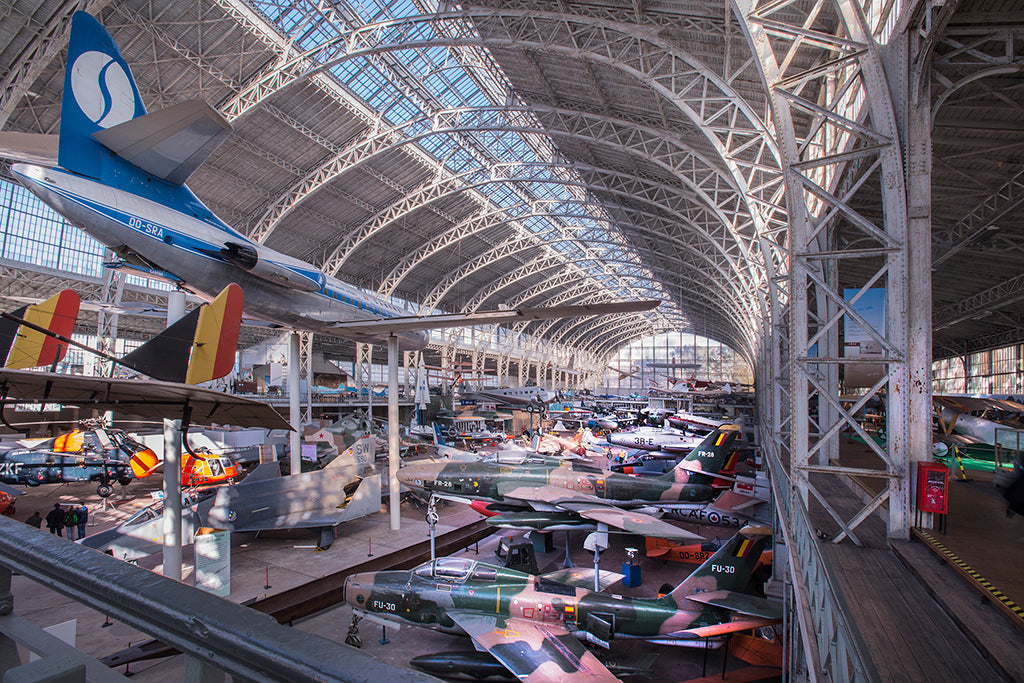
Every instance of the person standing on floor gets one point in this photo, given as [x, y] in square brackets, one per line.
[55, 520]
[71, 521]
[35, 520]
[83, 517]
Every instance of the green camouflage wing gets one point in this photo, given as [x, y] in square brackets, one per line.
[534, 652]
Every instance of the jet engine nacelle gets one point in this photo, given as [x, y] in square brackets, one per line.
[258, 260]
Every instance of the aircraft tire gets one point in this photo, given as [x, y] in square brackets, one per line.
[104, 490]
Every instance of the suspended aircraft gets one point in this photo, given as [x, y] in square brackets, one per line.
[534, 625]
[198, 347]
[514, 396]
[552, 491]
[119, 174]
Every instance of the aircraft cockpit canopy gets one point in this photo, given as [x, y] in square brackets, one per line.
[447, 568]
[457, 570]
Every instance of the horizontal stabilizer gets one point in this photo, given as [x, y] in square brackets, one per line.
[583, 577]
[416, 323]
[748, 605]
[171, 143]
[734, 501]
[638, 523]
[28, 345]
[29, 148]
[723, 628]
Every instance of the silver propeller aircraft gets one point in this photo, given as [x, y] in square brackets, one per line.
[118, 173]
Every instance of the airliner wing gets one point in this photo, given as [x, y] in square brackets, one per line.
[147, 399]
[416, 323]
[533, 652]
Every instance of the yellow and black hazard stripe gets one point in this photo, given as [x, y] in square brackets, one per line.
[990, 591]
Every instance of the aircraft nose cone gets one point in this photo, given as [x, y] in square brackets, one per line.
[420, 475]
[356, 590]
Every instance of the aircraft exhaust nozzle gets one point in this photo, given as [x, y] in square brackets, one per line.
[295, 274]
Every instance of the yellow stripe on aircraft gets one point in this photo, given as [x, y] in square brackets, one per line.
[216, 338]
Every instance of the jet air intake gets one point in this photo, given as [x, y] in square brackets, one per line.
[253, 259]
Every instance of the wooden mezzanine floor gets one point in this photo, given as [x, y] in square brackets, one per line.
[918, 615]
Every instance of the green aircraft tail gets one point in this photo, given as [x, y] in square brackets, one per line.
[707, 459]
[729, 569]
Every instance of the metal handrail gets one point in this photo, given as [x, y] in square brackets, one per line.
[232, 638]
[833, 645]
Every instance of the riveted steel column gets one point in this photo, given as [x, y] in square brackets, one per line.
[394, 496]
[294, 416]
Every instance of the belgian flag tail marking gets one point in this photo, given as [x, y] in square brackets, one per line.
[216, 339]
[30, 348]
[196, 348]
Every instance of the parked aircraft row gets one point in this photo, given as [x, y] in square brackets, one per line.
[534, 625]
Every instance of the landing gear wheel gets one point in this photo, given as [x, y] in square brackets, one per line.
[352, 637]
[104, 490]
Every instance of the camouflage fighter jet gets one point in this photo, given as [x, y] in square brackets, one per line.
[566, 492]
[533, 625]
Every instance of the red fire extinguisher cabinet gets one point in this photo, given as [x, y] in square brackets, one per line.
[932, 487]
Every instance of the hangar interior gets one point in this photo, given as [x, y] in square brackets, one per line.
[764, 169]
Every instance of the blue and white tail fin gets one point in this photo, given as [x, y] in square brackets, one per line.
[439, 435]
[99, 93]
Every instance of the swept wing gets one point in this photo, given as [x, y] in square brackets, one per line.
[534, 653]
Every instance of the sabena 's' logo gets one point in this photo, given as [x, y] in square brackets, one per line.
[102, 89]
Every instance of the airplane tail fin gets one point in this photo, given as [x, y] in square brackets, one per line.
[24, 347]
[198, 347]
[102, 110]
[707, 458]
[438, 436]
[99, 93]
[729, 569]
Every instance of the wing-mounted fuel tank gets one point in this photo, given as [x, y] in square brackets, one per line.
[274, 266]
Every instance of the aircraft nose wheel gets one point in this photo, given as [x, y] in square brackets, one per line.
[104, 490]
[352, 637]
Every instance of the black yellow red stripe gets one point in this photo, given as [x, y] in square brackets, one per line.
[32, 348]
[998, 597]
[216, 338]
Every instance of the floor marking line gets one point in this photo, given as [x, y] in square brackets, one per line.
[999, 598]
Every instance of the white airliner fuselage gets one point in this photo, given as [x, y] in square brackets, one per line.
[189, 250]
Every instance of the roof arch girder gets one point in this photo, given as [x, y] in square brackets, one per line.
[603, 345]
[509, 248]
[471, 179]
[434, 191]
[749, 153]
[666, 151]
[569, 335]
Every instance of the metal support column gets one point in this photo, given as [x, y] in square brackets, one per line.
[172, 499]
[294, 418]
[394, 496]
